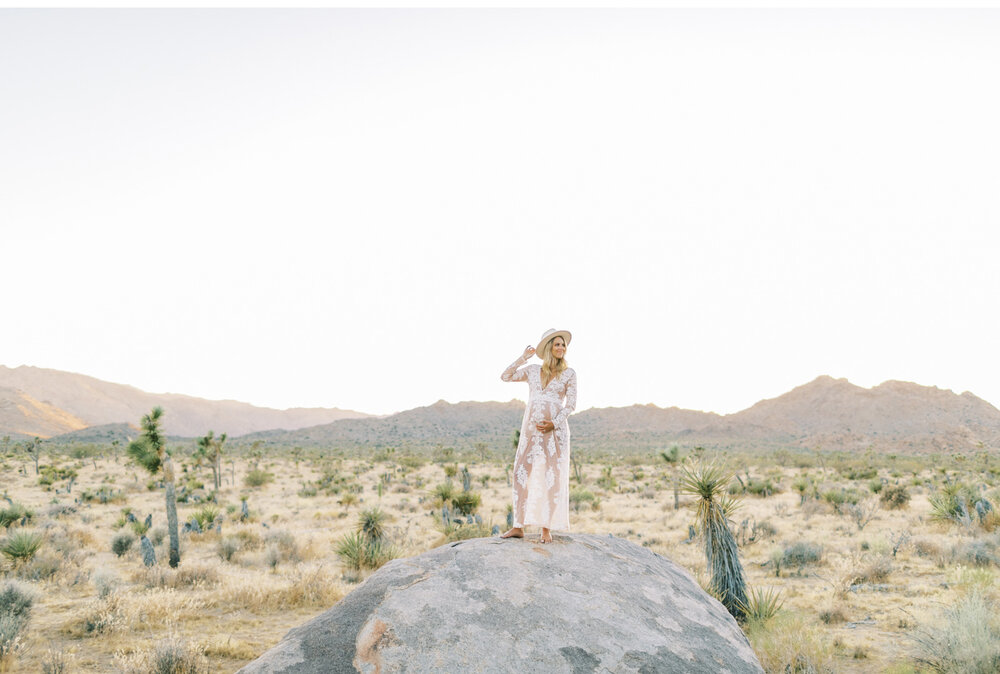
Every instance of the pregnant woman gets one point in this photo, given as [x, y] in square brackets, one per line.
[541, 465]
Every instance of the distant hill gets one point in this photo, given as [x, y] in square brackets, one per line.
[828, 413]
[42, 402]
[459, 424]
[835, 413]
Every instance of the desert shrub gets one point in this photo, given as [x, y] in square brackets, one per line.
[157, 534]
[971, 579]
[59, 510]
[412, 462]
[105, 582]
[802, 553]
[926, 548]
[859, 472]
[876, 485]
[762, 487]
[122, 543]
[579, 498]
[838, 498]
[284, 544]
[968, 640]
[444, 492]
[894, 497]
[56, 662]
[347, 499]
[40, 567]
[977, 553]
[14, 513]
[788, 643]
[463, 532]
[257, 478]
[16, 600]
[228, 547]
[450, 471]
[832, 615]
[21, 545]
[466, 502]
[308, 491]
[194, 576]
[874, 570]
[173, 656]
[249, 540]
[15, 610]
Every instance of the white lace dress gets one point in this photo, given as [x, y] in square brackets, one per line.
[541, 465]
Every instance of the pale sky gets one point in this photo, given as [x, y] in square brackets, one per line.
[377, 209]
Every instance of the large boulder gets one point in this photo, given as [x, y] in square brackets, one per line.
[583, 603]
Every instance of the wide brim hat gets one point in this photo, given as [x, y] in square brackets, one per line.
[552, 333]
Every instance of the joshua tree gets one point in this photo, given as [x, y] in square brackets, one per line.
[33, 448]
[708, 483]
[149, 451]
[673, 459]
[210, 449]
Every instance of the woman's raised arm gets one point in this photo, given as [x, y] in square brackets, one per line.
[512, 373]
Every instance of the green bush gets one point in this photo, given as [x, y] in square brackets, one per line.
[579, 497]
[444, 491]
[21, 545]
[122, 543]
[838, 498]
[257, 478]
[14, 513]
[894, 497]
[762, 487]
[466, 502]
[802, 553]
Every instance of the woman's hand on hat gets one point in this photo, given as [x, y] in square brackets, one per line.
[528, 352]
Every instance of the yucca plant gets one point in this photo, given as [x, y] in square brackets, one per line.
[709, 482]
[367, 547]
[21, 545]
[351, 550]
[762, 605]
[371, 524]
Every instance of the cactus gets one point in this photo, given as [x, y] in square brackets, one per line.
[148, 555]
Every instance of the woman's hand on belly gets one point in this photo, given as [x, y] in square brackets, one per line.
[545, 426]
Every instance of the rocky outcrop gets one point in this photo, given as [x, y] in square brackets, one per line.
[584, 603]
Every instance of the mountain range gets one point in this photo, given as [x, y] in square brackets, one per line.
[826, 412]
[37, 401]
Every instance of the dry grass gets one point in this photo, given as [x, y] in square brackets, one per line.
[92, 604]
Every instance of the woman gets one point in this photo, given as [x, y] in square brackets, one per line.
[541, 465]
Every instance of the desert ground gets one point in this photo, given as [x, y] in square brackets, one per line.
[867, 586]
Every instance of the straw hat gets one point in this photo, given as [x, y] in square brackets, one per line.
[552, 333]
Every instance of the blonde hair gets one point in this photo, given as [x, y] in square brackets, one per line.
[552, 367]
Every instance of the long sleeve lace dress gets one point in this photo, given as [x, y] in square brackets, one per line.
[541, 465]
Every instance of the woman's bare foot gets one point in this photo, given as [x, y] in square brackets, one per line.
[546, 536]
[516, 532]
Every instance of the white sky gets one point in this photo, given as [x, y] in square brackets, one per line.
[378, 209]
